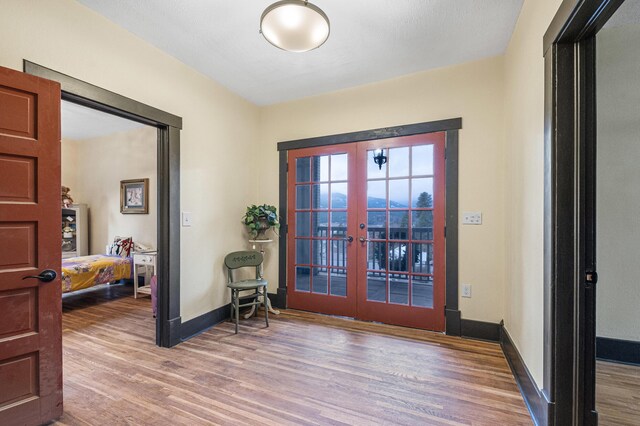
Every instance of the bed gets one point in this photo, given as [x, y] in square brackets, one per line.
[87, 271]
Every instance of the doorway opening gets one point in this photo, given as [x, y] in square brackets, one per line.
[168, 127]
[109, 209]
[580, 220]
[350, 248]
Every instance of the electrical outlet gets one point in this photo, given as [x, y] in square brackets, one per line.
[466, 290]
[186, 219]
[472, 218]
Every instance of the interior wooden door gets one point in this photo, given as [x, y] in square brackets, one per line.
[30, 308]
[321, 227]
[401, 220]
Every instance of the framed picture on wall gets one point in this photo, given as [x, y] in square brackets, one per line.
[134, 196]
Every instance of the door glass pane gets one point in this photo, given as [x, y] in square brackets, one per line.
[303, 252]
[321, 168]
[302, 279]
[339, 167]
[320, 281]
[399, 225]
[373, 170]
[320, 224]
[320, 255]
[320, 196]
[377, 194]
[398, 162]
[422, 160]
[338, 224]
[422, 291]
[399, 290]
[422, 225]
[398, 193]
[338, 195]
[422, 192]
[303, 197]
[338, 282]
[303, 169]
[423, 258]
[303, 224]
[338, 253]
[377, 255]
[376, 286]
[398, 257]
[377, 225]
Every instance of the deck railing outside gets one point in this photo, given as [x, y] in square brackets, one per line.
[400, 249]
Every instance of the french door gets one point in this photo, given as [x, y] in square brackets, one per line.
[366, 238]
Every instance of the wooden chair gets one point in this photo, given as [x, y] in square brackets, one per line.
[243, 259]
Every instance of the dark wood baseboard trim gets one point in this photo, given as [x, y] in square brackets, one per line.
[174, 327]
[452, 322]
[618, 350]
[197, 325]
[536, 402]
[279, 299]
[480, 330]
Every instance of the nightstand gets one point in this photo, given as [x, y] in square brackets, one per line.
[148, 260]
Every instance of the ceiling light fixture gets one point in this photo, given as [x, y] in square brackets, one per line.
[294, 25]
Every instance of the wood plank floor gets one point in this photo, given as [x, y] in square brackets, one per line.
[617, 394]
[303, 369]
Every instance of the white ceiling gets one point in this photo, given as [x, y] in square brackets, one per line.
[371, 40]
[79, 122]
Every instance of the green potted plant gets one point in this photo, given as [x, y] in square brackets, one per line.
[259, 219]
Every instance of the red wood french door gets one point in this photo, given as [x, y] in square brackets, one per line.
[401, 245]
[322, 219]
[30, 308]
[367, 240]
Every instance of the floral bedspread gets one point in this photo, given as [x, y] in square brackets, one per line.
[86, 271]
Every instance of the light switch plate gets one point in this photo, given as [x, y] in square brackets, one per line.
[466, 290]
[472, 218]
[186, 219]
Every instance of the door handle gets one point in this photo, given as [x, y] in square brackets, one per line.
[349, 239]
[45, 276]
[363, 239]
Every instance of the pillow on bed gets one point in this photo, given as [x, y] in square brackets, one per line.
[121, 247]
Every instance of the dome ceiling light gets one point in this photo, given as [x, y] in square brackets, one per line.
[294, 25]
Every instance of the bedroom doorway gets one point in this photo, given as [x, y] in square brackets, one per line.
[109, 208]
[168, 127]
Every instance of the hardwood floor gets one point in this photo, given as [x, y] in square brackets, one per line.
[617, 394]
[303, 369]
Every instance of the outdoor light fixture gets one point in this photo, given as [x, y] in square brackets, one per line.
[294, 25]
[379, 158]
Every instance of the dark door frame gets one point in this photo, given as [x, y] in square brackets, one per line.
[168, 320]
[450, 127]
[569, 228]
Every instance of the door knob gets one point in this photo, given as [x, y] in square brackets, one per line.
[45, 276]
[363, 239]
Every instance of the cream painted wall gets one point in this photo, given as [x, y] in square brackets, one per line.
[618, 179]
[217, 142]
[100, 164]
[524, 183]
[473, 91]
[69, 156]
